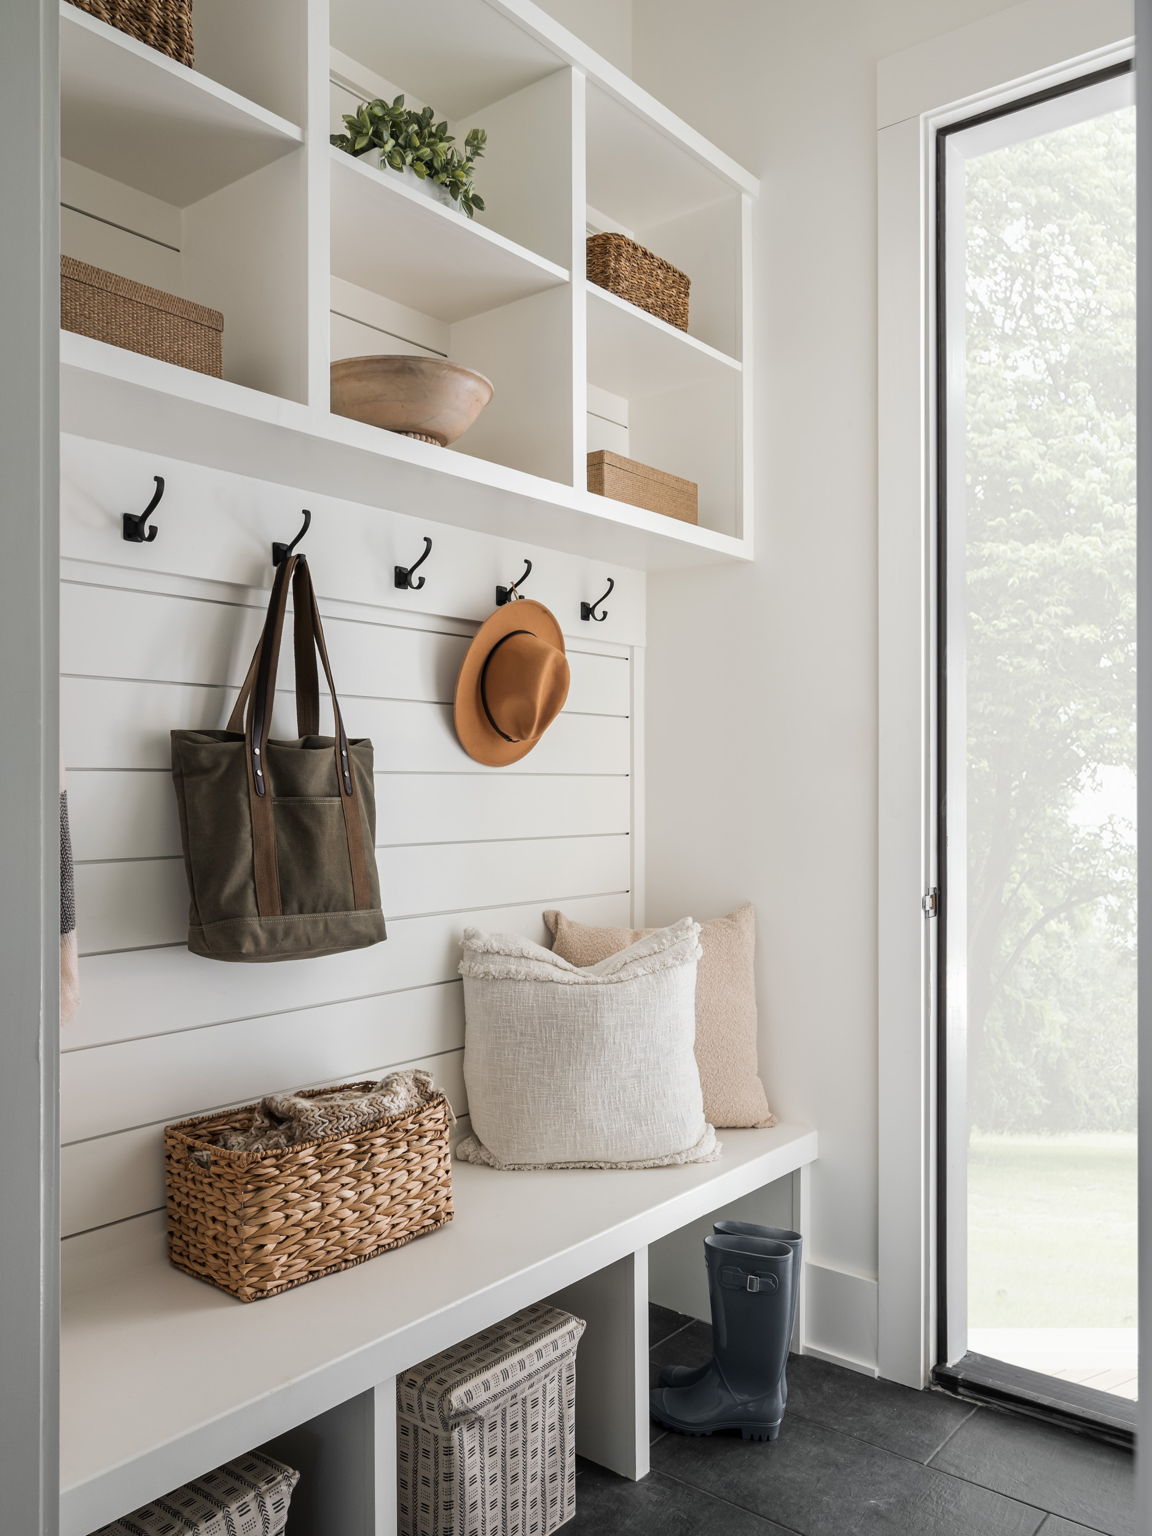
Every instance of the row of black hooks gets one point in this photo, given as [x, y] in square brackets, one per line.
[137, 530]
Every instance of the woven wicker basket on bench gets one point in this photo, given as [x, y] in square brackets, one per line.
[162, 24]
[256, 1223]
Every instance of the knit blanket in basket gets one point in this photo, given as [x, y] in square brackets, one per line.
[288, 1119]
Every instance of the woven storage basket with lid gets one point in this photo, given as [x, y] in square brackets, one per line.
[256, 1223]
[640, 276]
[162, 24]
[611, 474]
[246, 1497]
[486, 1431]
[129, 314]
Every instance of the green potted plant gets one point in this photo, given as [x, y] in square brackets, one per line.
[417, 146]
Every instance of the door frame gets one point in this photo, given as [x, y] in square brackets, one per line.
[30, 806]
[989, 64]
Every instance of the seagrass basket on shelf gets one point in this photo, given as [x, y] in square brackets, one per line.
[640, 276]
[163, 24]
[256, 1223]
[128, 314]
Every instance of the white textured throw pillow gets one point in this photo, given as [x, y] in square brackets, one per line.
[593, 1068]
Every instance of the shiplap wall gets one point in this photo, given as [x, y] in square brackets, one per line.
[158, 636]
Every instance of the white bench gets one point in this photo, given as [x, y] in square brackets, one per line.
[164, 1377]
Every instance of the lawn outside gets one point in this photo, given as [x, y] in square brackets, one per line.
[1052, 1253]
[1052, 1231]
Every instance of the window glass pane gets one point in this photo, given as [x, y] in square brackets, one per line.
[1040, 723]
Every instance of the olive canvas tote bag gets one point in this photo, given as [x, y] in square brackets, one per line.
[279, 836]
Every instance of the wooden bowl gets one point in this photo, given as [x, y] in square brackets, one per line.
[424, 397]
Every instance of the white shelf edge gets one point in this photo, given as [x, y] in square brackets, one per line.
[662, 327]
[573, 51]
[394, 187]
[123, 397]
[152, 58]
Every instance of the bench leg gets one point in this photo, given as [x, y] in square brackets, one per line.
[612, 1426]
[801, 1187]
[347, 1464]
[383, 1412]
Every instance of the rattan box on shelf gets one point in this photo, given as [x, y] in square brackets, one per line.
[128, 314]
[486, 1431]
[257, 1223]
[163, 24]
[634, 273]
[611, 474]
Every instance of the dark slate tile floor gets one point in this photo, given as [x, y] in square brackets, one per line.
[859, 1457]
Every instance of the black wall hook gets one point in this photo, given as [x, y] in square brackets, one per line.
[134, 530]
[510, 594]
[282, 551]
[588, 610]
[405, 573]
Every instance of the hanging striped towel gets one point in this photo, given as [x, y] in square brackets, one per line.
[69, 962]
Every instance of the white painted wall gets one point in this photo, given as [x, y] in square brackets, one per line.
[762, 686]
[157, 636]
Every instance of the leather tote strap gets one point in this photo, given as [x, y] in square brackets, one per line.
[257, 708]
[307, 688]
[252, 713]
[355, 824]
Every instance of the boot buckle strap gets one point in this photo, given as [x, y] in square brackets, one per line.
[733, 1278]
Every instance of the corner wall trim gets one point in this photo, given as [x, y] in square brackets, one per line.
[842, 1318]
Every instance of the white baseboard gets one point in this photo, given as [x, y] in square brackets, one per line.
[841, 1360]
[841, 1321]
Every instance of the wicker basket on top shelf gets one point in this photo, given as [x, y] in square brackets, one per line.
[165, 25]
[640, 276]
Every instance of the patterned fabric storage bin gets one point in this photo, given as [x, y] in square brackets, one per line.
[486, 1431]
[246, 1497]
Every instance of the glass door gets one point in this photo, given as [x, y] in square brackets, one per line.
[1037, 703]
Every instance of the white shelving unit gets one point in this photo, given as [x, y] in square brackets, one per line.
[219, 184]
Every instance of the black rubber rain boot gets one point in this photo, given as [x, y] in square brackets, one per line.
[750, 1283]
[685, 1375]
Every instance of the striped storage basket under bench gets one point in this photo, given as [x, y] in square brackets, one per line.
[486, 1431]
[246, 1497]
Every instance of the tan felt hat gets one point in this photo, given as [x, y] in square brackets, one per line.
[512, 685]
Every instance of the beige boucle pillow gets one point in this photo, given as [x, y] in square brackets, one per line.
[583, 1067]
[726, 1022]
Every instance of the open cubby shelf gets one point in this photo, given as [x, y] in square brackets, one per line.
[393, 241]
[218, 183]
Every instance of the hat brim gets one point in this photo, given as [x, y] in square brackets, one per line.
[473, 728]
